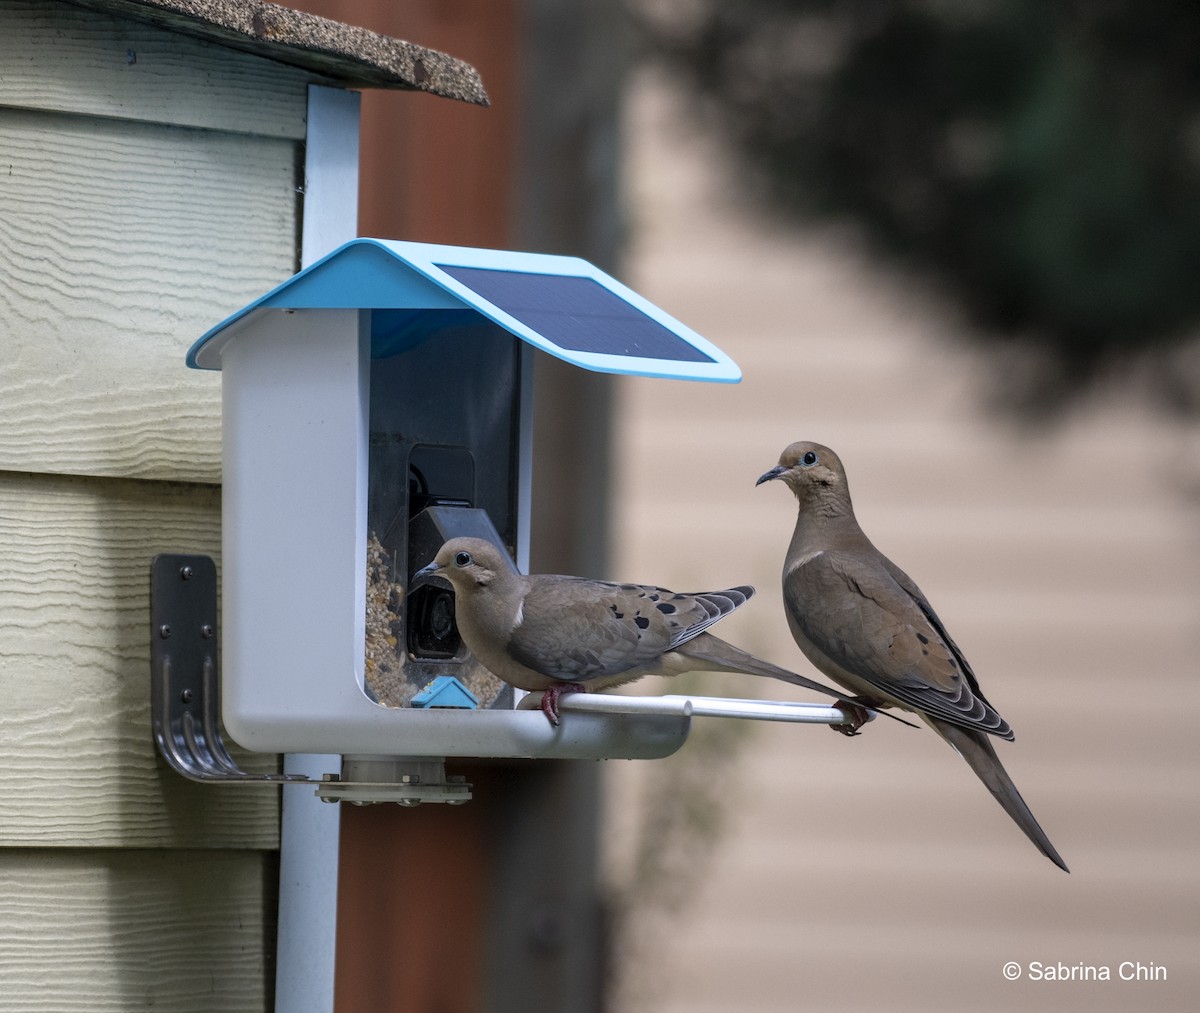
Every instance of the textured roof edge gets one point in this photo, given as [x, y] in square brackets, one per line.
[352, 56]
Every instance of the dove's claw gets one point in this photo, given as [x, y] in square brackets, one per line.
[551, 695]
[857, 714]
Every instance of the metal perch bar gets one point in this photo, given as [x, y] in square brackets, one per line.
[708, 706]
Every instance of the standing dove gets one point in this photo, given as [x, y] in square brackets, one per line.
[561, 635]
[862, 621]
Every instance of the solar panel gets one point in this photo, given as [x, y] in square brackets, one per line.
[576, 313]
[562, 305]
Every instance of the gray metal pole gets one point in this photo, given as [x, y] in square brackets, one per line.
[309, 831]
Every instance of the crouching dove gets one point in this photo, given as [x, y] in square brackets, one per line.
[861, 620]
[561, 635]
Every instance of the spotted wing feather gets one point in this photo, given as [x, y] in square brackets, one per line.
[576, 630]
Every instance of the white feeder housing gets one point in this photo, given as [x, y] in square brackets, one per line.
[374, 405]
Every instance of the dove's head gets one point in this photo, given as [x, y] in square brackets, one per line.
[813, 472]
[468, 563]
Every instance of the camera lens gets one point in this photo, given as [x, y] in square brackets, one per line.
[431, 629]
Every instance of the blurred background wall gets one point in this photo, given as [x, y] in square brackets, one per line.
[785, 867]
[957, 242]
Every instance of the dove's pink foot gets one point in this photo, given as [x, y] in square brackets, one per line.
[857, 713]
[550, 698]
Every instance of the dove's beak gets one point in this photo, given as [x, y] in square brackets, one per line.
[775, 472]
[425, 573]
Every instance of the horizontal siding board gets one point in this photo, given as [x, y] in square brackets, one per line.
[99, 931]
[77, 763]
[122, 243]
[61, 58]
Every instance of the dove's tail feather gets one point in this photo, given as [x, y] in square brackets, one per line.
[716, 655]
[977, 750]
[719, 656]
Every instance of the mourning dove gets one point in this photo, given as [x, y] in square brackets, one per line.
[561, 635]
[862, 621]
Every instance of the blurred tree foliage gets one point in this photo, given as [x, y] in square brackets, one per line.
[1041, 157]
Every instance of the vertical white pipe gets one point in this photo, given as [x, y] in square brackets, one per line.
[308, 849]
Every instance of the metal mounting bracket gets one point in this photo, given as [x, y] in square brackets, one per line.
[184, 692]
[407, 781]
[185, 703]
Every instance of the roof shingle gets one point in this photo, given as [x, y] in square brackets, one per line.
[352, 56]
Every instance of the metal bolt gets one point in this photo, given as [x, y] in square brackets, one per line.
[206, 631]
[408, 803]
[186, 696]
[164, 631]
[186, 572]
[326, 798]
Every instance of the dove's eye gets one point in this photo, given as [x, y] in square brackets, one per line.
[462, 559]
[809, 459]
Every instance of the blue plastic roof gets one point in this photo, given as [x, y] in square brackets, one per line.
[446, 691]
[562, 305]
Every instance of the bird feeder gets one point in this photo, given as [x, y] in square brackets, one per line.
[374, 405]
